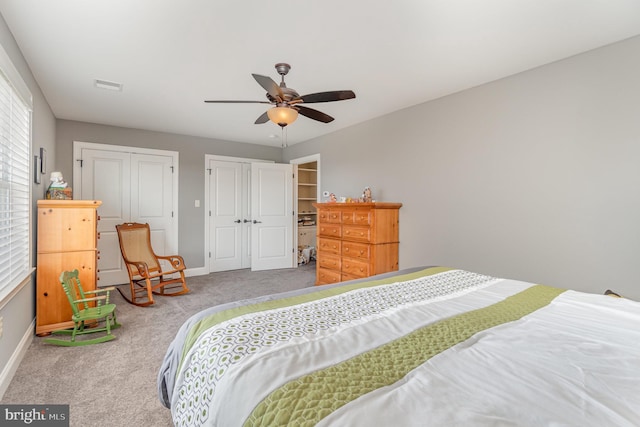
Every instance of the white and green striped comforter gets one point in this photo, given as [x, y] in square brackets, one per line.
[434, 347]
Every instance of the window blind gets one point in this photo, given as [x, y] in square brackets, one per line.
[15, 138]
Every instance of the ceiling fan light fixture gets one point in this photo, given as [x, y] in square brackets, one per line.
[282, 116]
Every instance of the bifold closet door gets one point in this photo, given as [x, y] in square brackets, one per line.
[133, 188]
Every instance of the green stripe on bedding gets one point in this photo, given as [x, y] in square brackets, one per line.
[225, 315]
[297, 402]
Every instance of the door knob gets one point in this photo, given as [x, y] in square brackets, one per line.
[246, 220]
[257, 222]
[237, 221]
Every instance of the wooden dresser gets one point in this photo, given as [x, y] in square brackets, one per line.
[356, 240]
[67, 240]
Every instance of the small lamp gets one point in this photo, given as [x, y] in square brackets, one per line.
[282, 116]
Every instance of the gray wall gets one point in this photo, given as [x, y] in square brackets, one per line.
[191, 168]
[19, 311]
[533, 177]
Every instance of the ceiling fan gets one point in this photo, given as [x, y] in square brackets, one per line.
[287, 102]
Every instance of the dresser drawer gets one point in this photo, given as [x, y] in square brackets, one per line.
[362, 217]
[356, 250]
[329, 216]
[356, 233]
[329, 245]
[356, 217]
[325, 276]
[347, 217]
[330, 230]
[330, 261]
[355, 268]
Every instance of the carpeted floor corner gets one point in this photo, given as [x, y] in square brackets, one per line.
[114, 383]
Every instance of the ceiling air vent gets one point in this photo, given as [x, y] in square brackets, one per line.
[105, 84]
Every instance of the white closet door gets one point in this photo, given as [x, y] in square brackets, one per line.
[106, 176]
[272, 216]
[151, 199]
[226, 215]
[133, 188]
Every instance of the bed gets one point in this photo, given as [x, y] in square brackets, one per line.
[422, 347]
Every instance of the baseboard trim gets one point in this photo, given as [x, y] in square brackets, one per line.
[198, 271]
[12, 365]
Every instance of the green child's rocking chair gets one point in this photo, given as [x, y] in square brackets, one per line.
[87, 318]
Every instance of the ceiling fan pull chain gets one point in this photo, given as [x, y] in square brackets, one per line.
[285, 137]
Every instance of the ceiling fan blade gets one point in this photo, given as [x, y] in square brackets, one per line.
[236, 102]
[336, 95]
[270, 86]
[264, 118]
[314, 114]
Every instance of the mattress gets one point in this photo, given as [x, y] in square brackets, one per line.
[429, 347]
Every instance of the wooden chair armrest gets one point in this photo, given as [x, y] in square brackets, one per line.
[106, 293]
[177, 262]
[101, 290]
[143, 269]
[91, 299]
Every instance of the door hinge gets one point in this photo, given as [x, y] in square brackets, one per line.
[209, 254]
[209, 169]
[81, 161]
[171, 169]
[171, 214]
[209, 213]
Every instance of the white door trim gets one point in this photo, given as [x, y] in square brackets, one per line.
[298, 161]
[307, 159]
[207, 201]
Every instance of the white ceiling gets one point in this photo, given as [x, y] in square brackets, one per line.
[171, 55]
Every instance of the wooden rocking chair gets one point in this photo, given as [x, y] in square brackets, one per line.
[146, 276]
[88, 313]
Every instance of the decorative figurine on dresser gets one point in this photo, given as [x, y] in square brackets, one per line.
[67, 240]
[356, 240]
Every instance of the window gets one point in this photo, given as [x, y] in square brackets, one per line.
[15, 176]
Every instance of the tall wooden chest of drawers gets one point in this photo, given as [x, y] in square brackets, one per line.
[67, 240]
[356, 240]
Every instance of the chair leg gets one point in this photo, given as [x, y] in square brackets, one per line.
[134, 292]
[75, 331]
[114, 320]
[149, 290]
[180, 284]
